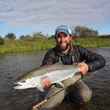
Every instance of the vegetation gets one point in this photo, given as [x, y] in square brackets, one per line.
[83, 31]
[15, 46]
[25, 43]
[1, 41]
[38, 41]
[95, 42]
[10, 36]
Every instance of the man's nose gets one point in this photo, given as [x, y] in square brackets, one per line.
[62, 39]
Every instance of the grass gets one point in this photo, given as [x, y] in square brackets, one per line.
[93, 42]
[20, 46]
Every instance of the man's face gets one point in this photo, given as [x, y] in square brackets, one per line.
[63, 40]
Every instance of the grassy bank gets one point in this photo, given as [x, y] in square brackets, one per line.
[93, 42]
[20, 46]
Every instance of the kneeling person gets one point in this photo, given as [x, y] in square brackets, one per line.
[66, 53]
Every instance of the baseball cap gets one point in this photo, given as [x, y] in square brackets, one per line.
[63, 28]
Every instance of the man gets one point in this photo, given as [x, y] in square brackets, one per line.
[66, 53]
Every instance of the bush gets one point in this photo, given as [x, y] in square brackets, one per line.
[1, 41]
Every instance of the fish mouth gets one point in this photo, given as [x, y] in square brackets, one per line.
[18, 85]
[24, 84]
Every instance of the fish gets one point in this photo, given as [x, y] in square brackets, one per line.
[55, 74]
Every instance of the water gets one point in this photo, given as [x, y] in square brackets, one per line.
[13, 66]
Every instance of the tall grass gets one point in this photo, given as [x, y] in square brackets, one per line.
[20, 46]
[93, 42]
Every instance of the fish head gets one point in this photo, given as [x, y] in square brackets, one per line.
[29, 83]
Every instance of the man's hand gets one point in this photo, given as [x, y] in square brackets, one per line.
[83, 68]
[46, 83]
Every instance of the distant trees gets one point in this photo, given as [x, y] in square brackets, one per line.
[52, 37]
[105, 36]
[80, 31]
[22, 37]
[1, 41]
[39, 35]
[10, 36]
[83, 31]
[25, 37]
[35, 36]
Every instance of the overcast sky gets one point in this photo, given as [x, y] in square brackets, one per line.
[28, 16]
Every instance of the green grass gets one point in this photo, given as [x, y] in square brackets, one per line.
[20, 46]
[93, 42]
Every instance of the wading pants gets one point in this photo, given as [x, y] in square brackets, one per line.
[75, 92]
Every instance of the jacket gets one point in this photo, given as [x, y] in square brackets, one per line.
[76, 54]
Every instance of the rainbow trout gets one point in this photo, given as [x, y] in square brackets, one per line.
[53, 74]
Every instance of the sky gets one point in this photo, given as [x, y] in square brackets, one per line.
[29, 16]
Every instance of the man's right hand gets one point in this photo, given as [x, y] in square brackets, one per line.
[46, 83]
[83, 68]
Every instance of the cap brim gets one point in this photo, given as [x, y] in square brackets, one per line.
[61, 31]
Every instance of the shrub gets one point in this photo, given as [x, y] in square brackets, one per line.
[1, 41]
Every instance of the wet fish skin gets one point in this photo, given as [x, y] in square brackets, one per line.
[55, 73]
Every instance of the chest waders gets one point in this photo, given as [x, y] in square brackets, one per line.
[56, 94]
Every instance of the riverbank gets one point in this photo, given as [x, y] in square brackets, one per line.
[21, 46]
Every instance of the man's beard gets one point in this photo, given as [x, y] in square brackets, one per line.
[62, 49]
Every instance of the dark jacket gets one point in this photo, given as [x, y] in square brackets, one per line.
[75, 55]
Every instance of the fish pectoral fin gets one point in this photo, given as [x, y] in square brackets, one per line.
[58, 85]
[40, 88]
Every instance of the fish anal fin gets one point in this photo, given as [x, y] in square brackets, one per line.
[58, 84]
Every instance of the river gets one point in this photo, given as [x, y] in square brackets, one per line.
[14, 65]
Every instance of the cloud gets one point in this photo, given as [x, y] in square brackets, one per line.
[47, 12]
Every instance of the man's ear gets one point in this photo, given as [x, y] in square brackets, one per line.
[73, 37]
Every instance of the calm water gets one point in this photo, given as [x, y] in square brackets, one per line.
[13, 66]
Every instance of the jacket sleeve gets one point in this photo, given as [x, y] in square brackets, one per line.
[49, 58]
[94, 60]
